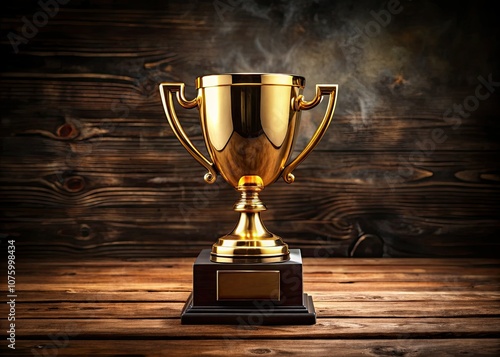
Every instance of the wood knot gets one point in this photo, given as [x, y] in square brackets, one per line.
[260, 351]
[389, 351]
[67, 131]
[74, 184]
[85, 232]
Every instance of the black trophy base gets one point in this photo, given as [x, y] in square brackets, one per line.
[268, 315]
[248, 294]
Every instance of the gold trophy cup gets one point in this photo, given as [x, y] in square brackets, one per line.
[249, 123]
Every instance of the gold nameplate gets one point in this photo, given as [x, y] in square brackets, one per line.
[248, 284]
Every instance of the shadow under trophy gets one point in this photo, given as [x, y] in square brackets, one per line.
[249, 123]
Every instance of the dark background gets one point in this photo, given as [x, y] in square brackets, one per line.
[409, 166]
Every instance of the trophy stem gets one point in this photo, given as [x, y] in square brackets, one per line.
[249, 241]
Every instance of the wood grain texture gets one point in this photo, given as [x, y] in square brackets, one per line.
[276, 347]
[374, 307]
[90, 168]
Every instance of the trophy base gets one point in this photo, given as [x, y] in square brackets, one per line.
[229, 315]
[248, 293]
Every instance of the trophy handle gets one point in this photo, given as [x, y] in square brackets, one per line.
[300, 104]
[168, 105]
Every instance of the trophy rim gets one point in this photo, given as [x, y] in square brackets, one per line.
[256, 79]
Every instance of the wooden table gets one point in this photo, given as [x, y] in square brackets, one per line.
[370, 307]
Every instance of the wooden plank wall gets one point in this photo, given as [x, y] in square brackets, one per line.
[409, 167]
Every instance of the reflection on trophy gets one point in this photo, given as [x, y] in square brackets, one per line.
[249, 123]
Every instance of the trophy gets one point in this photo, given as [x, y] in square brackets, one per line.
[249, 123]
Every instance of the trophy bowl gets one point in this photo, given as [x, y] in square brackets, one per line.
[249, 123]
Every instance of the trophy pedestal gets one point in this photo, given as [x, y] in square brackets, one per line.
[248, 293]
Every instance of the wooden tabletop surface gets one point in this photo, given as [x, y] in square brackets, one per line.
[369, 307]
